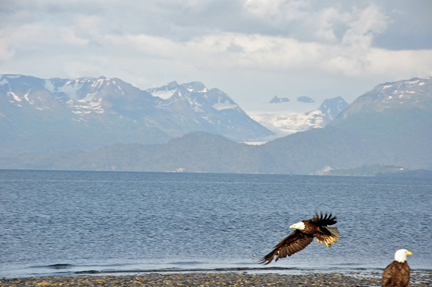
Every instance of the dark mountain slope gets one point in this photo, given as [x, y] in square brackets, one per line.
[194, 152]
[398, 119]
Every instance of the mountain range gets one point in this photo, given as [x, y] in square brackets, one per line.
[38, 115]
[389, 125]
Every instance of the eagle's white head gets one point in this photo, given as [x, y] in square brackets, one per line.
[300, 225]
[401, 254]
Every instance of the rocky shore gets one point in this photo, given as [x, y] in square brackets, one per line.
[215, 279]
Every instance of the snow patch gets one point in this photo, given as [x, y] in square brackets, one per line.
[71, 90]
[49, 86]
[165, 95]
[224, 105]
[3, 82]
[411, 83]
[195, 106]
[254, 143]
[15, 103]
[90, 103]
[13, 76]
[285, 123]
[16, 98]
[27, 98]
[98, 83]
[90, 97]
[421, 84]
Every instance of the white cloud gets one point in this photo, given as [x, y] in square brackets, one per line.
[30, 36]
[255, 51]
[400, 65]
[155, 41]
[368, 23]
[88, 25]
[327, 21]
[276, 53]
[277, 12]
[6, 53]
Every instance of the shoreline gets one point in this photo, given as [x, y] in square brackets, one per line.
[418, 278]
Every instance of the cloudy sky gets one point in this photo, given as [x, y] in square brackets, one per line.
[250, 49]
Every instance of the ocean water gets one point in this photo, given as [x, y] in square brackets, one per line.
[68, 222]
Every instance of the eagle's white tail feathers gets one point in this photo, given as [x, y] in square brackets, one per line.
[334, 237]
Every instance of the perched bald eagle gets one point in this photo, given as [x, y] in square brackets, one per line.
[304, 234]
[397, 273]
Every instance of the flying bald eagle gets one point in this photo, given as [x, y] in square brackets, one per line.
[304, 234]
[397, 273]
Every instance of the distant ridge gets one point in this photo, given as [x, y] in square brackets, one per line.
[390, 125]
[45, 115]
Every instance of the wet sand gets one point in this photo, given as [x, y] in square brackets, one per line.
[216, 279]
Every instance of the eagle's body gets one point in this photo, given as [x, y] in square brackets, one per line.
[397, 273]
[304, 234]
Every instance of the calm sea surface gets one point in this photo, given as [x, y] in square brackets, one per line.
[62, 222]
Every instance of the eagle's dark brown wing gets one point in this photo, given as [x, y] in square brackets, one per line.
[396, 274]
[291, 244]
[323, 219]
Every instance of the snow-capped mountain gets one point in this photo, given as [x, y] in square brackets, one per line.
[413, 93]
[209, 110]
[91, 112]
[284, 123]
[330, 109]
[83, 97]
[197, 97]
[90, 96]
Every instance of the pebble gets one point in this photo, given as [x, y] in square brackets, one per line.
[214, 279]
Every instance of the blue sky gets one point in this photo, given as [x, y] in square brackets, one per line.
[250, 49]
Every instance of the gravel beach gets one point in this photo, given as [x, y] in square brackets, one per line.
[216, 279]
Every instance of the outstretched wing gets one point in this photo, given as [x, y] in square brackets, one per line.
[323, 219]
[291, 244]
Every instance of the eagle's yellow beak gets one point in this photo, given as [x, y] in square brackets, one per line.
[408, 252]
[292, 226]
